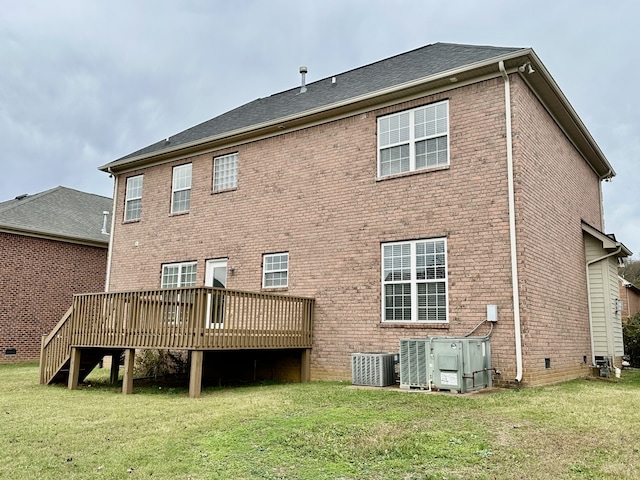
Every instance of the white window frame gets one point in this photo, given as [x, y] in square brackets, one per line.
[176, 302]
[180, 184]
[413, 281]
[225, 172]
[133, 193]
[215, 301]
[268, 269]
[181, 267]
[413, 136]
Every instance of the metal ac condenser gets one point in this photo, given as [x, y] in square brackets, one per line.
[374, 369]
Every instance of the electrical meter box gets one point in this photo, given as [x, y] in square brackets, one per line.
[461, 364]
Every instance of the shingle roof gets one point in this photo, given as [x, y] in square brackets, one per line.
[406, 67]
[61, 213]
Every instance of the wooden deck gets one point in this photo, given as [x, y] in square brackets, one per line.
[192, 318]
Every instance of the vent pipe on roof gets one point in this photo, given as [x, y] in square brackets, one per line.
[303, 72]
[105, 214]
[20, 197]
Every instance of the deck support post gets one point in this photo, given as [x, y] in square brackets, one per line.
[115, 367]
[195, 375]
[74, 369]
[129, 360]
[42, 367]
[305, 365]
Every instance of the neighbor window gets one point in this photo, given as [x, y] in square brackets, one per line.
[414, 139]
[225, 172]
[181, 189]
[275, 270]
[176, 275]
[133, 199]
[414, 281]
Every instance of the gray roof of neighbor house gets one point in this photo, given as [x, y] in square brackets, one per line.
[439, 65]
[60, 214]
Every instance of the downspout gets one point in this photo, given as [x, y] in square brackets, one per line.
[113, 223]
[596, 260]
[512, 225]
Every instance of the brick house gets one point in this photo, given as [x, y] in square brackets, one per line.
[51, 247]
[404, 197]
[630, 297]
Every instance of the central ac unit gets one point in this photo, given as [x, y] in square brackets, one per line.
[374, 369]
[460, 364]
[414, 363]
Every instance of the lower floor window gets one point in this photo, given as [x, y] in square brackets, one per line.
[414, 281]
[275, 270]
[177, 306]
[176, 275]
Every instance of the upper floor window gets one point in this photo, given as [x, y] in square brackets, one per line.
[225, 172]
[133, 199]
[275, 270]
[414, 281]
[414, 139]
[181, 189]
[176, 275]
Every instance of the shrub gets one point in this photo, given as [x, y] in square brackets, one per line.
[631, 331]
[160, 363]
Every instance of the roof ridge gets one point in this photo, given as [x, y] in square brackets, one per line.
[24, 200]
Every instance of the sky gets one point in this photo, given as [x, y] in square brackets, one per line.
[83, 83]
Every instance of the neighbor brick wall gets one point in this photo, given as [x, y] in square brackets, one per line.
[38, 278]
[630, 300]
[314, 194]
[555, 190]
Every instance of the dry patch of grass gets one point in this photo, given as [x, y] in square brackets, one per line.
[581, 430]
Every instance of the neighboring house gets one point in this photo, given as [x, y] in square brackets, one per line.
[630, 297]
[51, 247]
[405, 197]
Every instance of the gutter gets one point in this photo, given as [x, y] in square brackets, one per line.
[512, 226]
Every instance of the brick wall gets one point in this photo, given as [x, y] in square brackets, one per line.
[556, 189]
[38, 278]
[630, 301]
[314, 194]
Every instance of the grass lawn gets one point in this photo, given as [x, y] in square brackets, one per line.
[580, 429]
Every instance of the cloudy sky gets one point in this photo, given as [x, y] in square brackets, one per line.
[83, 82]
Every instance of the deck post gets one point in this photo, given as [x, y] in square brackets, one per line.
[43, 367]
[305, 365]
[127, 381]
[74, 368]
[195, 375]
[115, 367]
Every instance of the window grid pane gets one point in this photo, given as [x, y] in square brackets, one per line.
[181, 189]
[414, 277]
[176, 275]
[225, 172]
[414, 140]
[276, 270]
[133, 198]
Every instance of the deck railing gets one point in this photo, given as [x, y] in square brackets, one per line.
[195, 318]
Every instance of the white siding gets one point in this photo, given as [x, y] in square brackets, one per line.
[616, 317]
[606, 324]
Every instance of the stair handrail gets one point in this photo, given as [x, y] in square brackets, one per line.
[58, 326]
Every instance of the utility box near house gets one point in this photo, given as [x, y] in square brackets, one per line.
[374, 369]
[461, 364]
